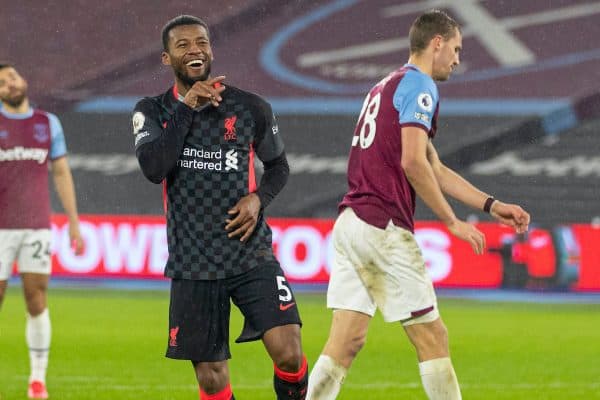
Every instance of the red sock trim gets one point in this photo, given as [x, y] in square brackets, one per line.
[292, 377]
[224, 394]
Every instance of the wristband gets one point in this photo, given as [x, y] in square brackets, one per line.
[487, 206]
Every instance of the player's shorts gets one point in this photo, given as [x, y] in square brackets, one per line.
[379, 268]
[30, 248]
[199, 312]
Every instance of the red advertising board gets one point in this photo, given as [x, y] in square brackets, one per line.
[120, 246]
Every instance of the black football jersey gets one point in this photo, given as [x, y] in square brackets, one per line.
[209, 158]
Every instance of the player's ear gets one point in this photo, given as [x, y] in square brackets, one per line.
[166, 59]
[437, 42]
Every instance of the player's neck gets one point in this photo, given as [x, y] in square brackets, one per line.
[182, 88]
[20, 109]
[422, 62]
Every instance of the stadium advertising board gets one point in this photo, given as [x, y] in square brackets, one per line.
[136, 247]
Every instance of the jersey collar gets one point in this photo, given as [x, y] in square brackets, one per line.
[25, 115]
[412, 66]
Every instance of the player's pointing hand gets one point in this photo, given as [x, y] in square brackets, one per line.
[203, 92]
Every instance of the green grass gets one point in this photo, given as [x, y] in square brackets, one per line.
[110, 345]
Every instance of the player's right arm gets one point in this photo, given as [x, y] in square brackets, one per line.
[158, 148]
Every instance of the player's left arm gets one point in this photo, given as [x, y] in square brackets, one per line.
[459, 188]
[270, 150]
[63, 182]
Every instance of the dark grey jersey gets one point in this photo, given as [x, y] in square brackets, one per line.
[205, 159]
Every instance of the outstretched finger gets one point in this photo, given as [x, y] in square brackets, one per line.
[216, 79]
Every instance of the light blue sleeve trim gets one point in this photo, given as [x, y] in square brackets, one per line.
[416, 99]
[58, 146]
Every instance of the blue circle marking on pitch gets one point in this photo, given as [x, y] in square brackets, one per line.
[271, 62]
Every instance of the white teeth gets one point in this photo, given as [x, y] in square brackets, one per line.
[195, 63]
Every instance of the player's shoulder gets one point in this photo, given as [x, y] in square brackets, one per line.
[152, 104]
[247, 97]
[415, 80]
[38, 112]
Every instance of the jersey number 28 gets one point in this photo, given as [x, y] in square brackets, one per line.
[368, 124]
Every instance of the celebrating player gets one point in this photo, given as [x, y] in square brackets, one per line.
[199, 139]
[28, 139]
[378, 263]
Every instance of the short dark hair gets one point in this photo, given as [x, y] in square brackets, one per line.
[5, 65]
[178, 21]
[427, 26]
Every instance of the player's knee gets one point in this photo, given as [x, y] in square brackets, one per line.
[289, 359]
[212, 377]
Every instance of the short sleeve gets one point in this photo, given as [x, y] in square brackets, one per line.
[416, 99]
[58, 146]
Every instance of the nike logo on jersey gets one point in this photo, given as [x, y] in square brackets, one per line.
[287, 306]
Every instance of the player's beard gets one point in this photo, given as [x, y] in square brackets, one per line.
[16, 100]
[187, 80]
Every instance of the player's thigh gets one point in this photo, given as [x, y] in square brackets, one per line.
[266, 300]
[199, 321]
[407, 293]
[349, 289]
[10, 243]
[34, 254]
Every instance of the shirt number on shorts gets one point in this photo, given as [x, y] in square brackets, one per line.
[282, 285]
[37, 253]
[366, 133]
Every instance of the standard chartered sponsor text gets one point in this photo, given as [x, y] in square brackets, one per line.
[205, 160]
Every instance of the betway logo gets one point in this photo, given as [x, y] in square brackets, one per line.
[20, 153]
[512, 163]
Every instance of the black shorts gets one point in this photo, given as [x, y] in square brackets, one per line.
[199, 312]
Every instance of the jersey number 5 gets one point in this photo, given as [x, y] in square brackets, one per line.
[368, 124]
[281, 285]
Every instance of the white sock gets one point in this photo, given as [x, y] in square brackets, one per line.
[325, 380]
[439, 379]
[37, 333]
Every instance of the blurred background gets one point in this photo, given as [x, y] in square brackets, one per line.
[519, 119]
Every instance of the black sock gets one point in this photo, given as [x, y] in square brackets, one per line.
[291, 386]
